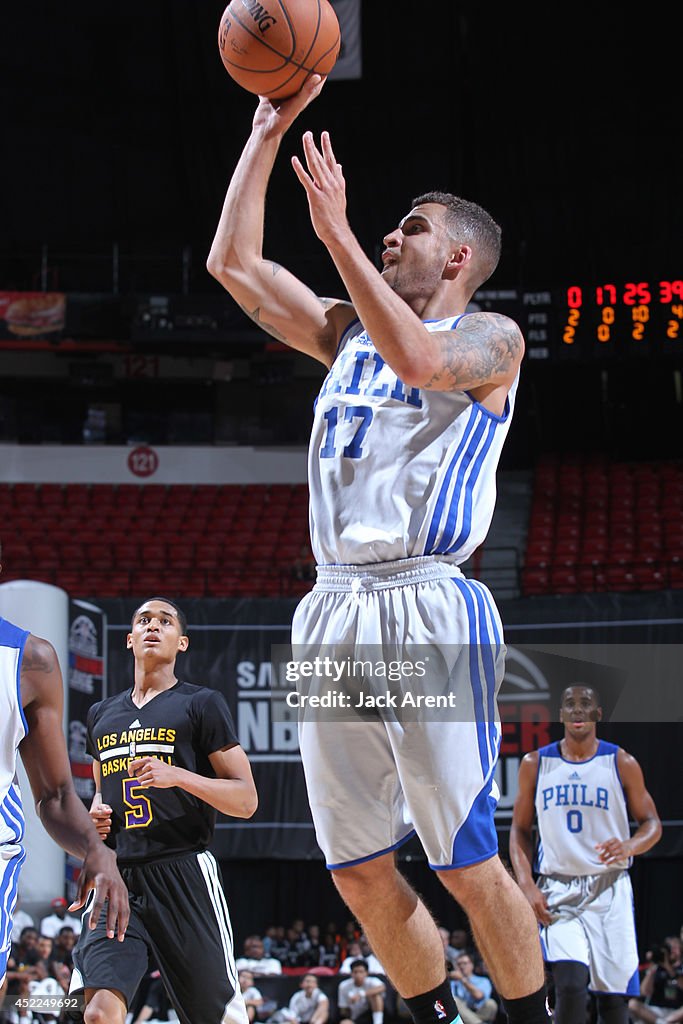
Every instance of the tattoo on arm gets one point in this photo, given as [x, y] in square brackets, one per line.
[481, 349]
[255, 315]
[38, 656]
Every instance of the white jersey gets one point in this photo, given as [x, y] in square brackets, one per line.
[578, 804]
[397, 472]
[13, 729]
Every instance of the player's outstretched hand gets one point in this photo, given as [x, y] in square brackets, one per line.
[325, 186]
[150, 771]
[276, 116]
[101, 816]
[99, 872]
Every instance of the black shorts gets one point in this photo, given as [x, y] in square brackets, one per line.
[178, 915]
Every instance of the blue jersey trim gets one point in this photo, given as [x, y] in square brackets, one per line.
[487, 412]
[475, 679]
[14, 637]
[8, 901]
[466, 528]
[19, 661]
[441, 500]
[371, 856]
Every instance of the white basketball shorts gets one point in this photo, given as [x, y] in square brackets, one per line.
[594, 925]
[376, 778]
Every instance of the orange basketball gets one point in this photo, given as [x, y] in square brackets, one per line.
[270, 48]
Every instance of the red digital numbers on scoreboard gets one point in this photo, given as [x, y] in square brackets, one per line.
[574, 301]
[606, 298]
[671, 294]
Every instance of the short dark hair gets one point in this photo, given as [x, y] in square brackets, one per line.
[358, 963]
[471, 223]
[182, 618]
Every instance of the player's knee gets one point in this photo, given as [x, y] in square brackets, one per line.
[95, 1014]
[105, 1008]
[469, 883]
[365, 882]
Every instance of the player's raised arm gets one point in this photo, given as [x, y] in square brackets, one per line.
[274, 299]
[43, 751]
[485, 350]
[521, 837]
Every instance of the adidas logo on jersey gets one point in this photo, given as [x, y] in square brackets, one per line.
[574, 775]
[137, 725]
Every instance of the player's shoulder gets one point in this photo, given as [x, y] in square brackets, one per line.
[499, 330]
[107, 704]
[39, 653]
[198, 698]
[625, 760]
[195, 692]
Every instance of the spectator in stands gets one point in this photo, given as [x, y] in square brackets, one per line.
[58, 919]
[26, 950]
[673, 942]
[45, 947]
[352, 954]
[458, 943]
[329, 951]
[253, 1000]
[45, 985]
[315, 946]
[63, 946]
[309, 1005]
[22, 965]
[662, 989]
[279, 947]
[360, 999]
[451, 952]
[20, 920]
[269, 940]
[298, 947]
[254, 960]
[472, 992]
[356, 951]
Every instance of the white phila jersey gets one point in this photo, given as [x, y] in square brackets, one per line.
[13, 728]
[397, 472]
[578, 804]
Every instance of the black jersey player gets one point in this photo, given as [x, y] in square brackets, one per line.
[166, 760]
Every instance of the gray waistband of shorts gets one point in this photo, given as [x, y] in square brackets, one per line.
[382, 575]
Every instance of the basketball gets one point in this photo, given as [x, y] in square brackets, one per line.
[271, 48]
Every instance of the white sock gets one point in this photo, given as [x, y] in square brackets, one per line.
[378, 1017]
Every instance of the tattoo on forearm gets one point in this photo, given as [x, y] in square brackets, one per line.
[275, 267]
[480, 349]
[255, 315]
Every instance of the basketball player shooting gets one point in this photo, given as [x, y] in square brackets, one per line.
[581, 791]
[408, 430]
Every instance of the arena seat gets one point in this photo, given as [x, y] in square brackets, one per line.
[600, 526]
[106, 540]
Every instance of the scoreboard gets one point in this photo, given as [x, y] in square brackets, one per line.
[594, 320]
